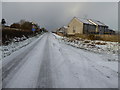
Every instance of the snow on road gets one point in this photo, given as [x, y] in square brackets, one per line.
[47, 63]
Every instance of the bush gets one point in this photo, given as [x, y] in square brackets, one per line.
[26, 26]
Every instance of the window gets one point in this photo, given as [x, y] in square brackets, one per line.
[73, 29]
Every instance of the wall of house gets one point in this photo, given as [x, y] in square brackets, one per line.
[92, 29]
[89, 29]
[75, 27]
[109, 31]
[102, 29]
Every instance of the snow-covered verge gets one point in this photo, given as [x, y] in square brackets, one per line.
[0, 52]
[96, 46]
[15, 45]
[103, 64]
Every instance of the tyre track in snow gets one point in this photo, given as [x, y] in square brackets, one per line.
[16, 63]
[45, 79]
[109, 75]
[94, 64]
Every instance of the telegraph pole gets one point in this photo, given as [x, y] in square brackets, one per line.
[33, 28]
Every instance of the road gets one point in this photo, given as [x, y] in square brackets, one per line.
[47, 63]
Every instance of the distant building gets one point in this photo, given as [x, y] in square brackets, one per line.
[62, 30]
[109, 31]
[54, 30]
[87, 26]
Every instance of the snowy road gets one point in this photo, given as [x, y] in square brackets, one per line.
[47, 63]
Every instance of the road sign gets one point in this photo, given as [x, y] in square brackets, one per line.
[33, 29]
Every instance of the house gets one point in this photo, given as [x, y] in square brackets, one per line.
[62, 30]
[54, 30]
[110, 32]
[85, 26]
[100, 27]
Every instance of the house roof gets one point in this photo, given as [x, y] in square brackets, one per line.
[98, 22]
[54, 30]
[91, 21]
[65, 27]
[85, 21]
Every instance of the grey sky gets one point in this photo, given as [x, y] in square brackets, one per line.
[53, 15]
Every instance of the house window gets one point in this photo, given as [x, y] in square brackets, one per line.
[73, 29]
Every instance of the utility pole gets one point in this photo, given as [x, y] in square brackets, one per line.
[33, 28]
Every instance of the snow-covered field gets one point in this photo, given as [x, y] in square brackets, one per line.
[48, 62]
[15, 45]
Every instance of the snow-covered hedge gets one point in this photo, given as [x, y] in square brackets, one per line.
[16, 44]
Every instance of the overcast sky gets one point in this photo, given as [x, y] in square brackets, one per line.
[53, 15]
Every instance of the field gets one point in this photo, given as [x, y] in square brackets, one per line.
[112, 38]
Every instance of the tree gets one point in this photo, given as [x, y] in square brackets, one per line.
[26, 25]
[3, 22]
[29, 25]
[43, 29]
